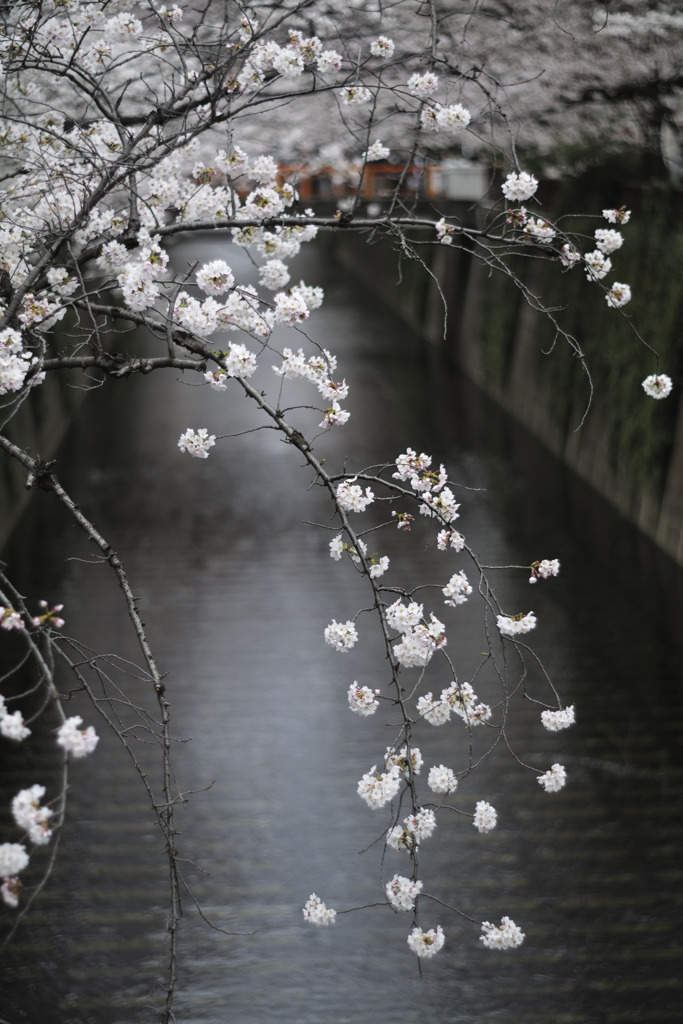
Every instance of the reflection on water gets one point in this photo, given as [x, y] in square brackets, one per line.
[236, 591]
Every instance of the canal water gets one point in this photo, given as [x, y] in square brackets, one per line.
[236, 588]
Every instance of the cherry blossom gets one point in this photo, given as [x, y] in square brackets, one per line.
[379, 788]
[485, 817]
[658, 385]
[544, 569]
[362, 700]
[620, 216]
[554, 779]
[597, 265]
[351, 496]
[382, 47]
[13, 859]
[423, 86]
[618, 295]
[354, 95]
[76, 741]
[607, 240]
[506, 935]
[457, 590]
[10, 891]
[402, 892]
[426, 944]
[519, 186]
[30, 816]
[516, 624]
[341, 635]
[436, 712]
[215, 278]
[450, 539]
[442, 780]
[10, 619]
[376, 151]
[404, 761]
[197, 443]
[12, 726]
[315, 912]
[556, 720]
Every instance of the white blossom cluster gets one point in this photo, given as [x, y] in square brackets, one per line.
[341, 635]
[540, 230]
[240, 361]
[513, 625]
[658, 385]
[607, 240]
[315, 912]
[544, 569]
[451, 119]
[415, 828]
[12, 726]
[569, 256]
[459, 698]
[410, 465]
[436, 712]
[197, 443]
[457, 590]
[438, 499]
[442, 779]
[620, 216]
[351, 497]
[506, 935]
[423, 86]
[215, 278]
[554, 779]
[355, 95]
[13, 860]
[618, 295]
[403, 617]
[30, 816]
[15, 362]
[10, 619]
[362, 700]
[376, 151]
[450, 539]
[485, 817]
[404, 761]
[426, 944]
[317, 369]
[377, 565]
[444, 231]
[441, 506]
[402, 892]
[518, 187]
[556, 720]
[76, 741]
[597, 265]
[382, 46]
[418, 643]
[379, 788]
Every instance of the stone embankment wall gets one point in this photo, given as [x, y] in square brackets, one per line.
[581, 398]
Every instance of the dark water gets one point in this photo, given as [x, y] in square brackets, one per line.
[236, 590]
